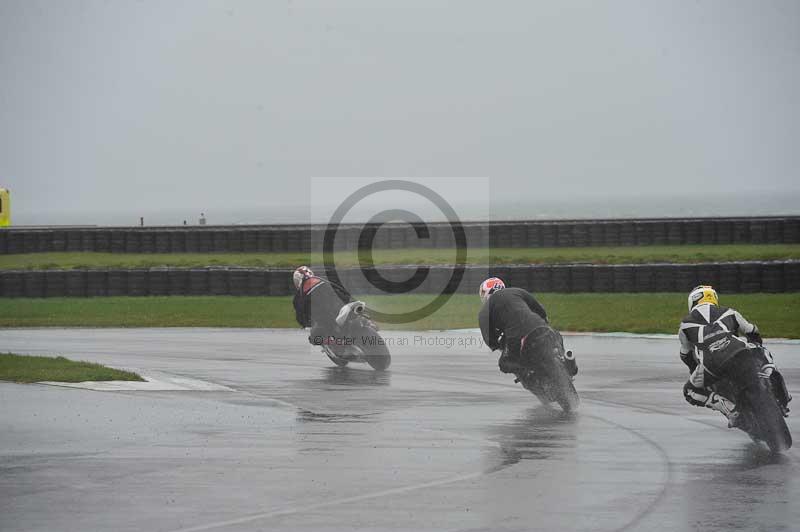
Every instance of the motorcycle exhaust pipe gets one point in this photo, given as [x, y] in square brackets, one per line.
[570, 364]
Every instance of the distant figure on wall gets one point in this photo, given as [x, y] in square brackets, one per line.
[141, 221]
[202, 220]
[184, 222]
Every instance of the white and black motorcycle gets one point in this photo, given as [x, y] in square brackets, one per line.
[356, 339]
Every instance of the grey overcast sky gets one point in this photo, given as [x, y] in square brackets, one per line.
[110, 110]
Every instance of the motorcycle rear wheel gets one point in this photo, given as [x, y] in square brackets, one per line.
[376, 353]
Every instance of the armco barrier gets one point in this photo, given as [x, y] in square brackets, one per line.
[301, 239]
[742, 277]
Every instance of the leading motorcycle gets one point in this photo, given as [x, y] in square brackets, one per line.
[761, 399]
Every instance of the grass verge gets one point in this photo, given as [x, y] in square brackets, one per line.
[778, 315]
[23, 368]
[593, 255]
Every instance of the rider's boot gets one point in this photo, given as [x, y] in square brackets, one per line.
[726, 407]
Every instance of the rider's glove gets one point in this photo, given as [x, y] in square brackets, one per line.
[755, 338]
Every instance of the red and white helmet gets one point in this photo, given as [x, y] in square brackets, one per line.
[301, 274]
[489, 287]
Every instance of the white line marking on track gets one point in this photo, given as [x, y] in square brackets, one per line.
[164, 383]
[335, 502]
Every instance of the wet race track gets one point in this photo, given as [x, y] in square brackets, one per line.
[441, 441]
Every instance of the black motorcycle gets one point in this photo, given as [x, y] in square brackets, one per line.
[761, 399]
[356, 339]
[547, 370]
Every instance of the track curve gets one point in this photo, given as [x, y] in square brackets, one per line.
[441, 441]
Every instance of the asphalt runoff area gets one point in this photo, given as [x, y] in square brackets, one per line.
[280, 439]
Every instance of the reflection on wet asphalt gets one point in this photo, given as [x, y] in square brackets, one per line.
[442, 441]
[350, 376]
[536, 435]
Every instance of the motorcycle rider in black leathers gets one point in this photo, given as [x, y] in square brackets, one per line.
[317, 302]
[507, 318]
[712, 339]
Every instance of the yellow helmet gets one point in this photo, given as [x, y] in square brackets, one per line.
[702, 294]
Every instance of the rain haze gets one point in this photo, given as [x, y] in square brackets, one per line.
[114, 110]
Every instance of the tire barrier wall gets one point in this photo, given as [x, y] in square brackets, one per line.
[265, 239]
[742, 277]
[146, 282]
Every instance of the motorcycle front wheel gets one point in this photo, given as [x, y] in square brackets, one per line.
[335, 359]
